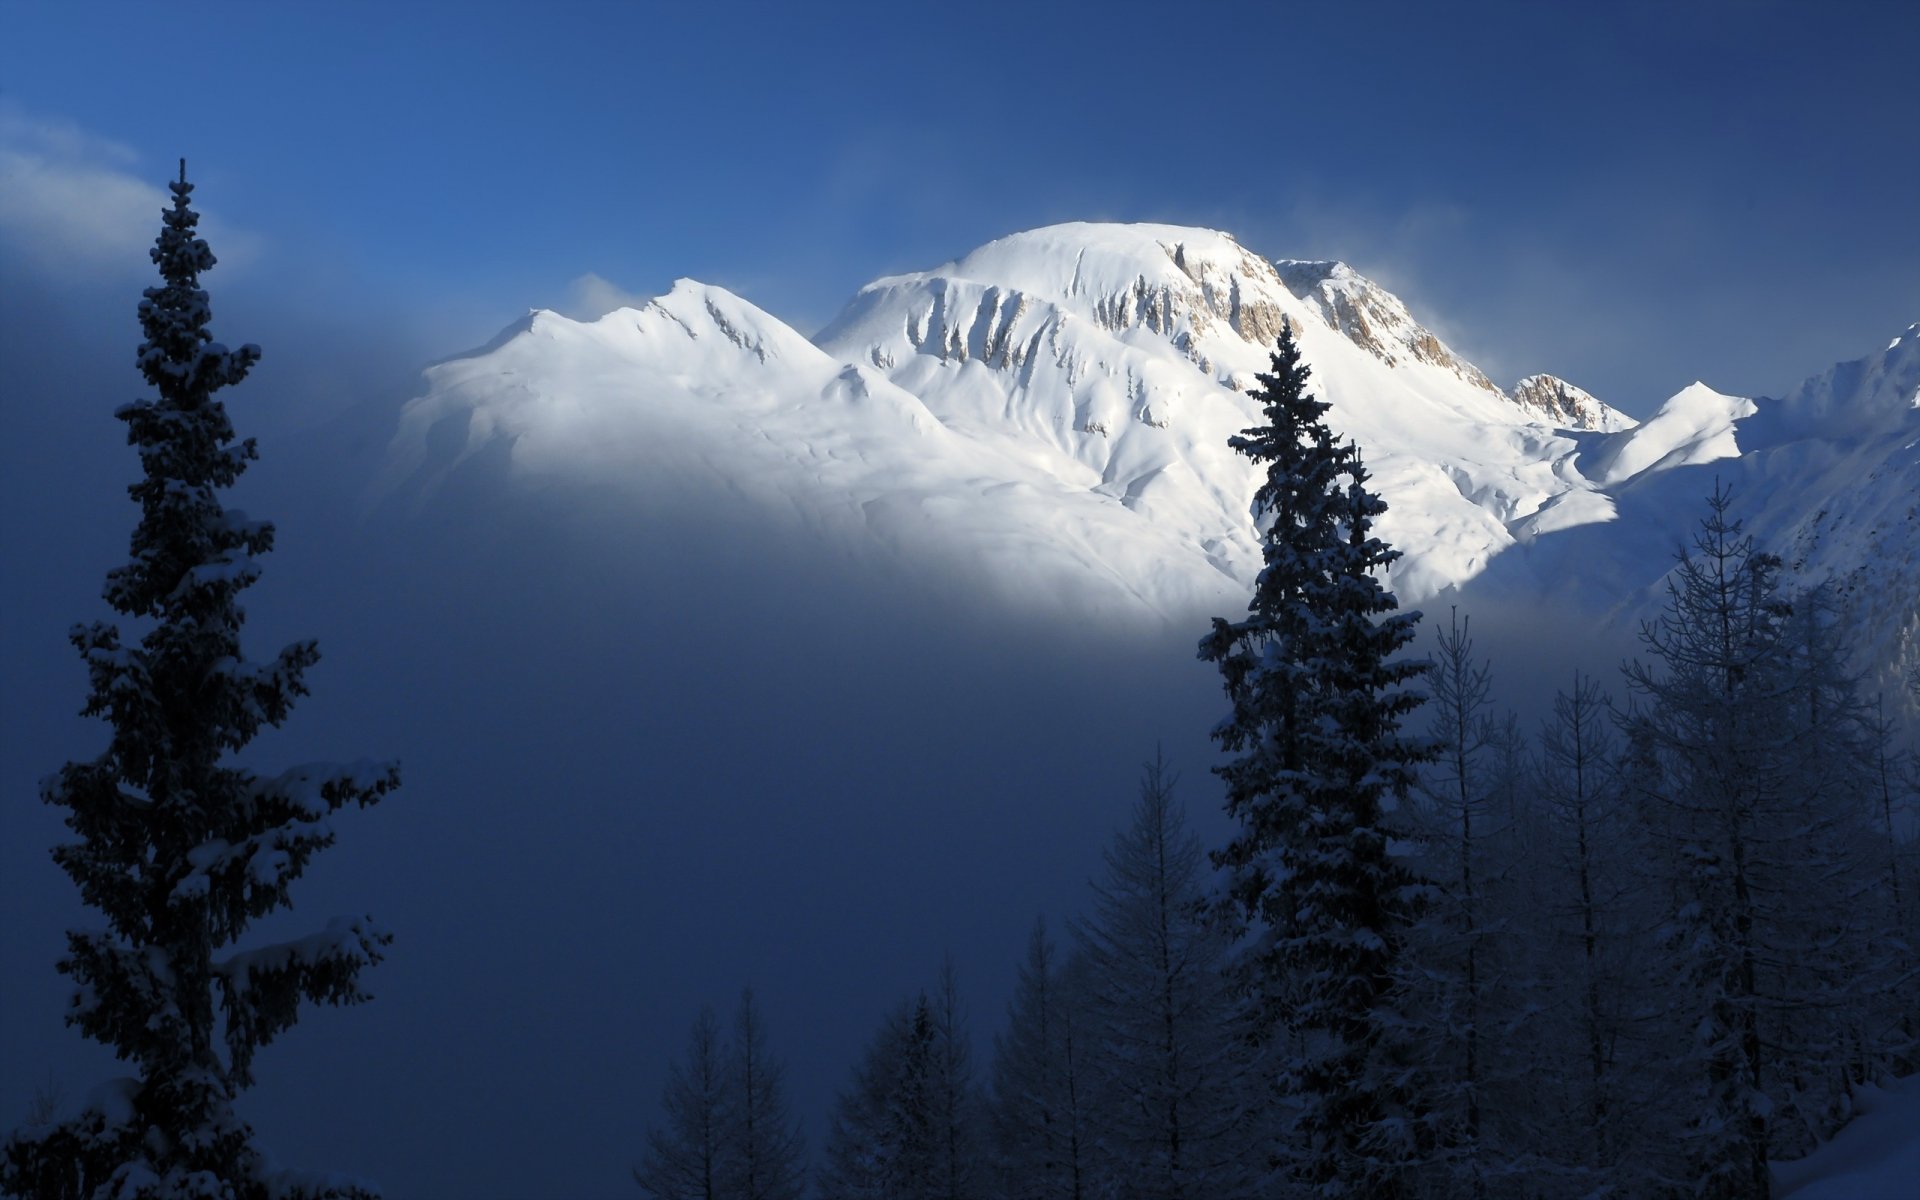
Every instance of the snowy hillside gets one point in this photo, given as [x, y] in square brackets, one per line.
[1047, 417]
[701, 400]
[1876, 1157]
[1834, 468]
[1826, 477]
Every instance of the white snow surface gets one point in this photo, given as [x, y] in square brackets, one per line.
[1048, 418]
[1876, 1156]
[1694, 426]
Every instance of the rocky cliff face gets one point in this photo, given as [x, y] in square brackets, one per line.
[1565, 406]
[1374, 318]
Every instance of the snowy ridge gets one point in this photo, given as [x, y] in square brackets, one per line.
[1861, 397]
[1694, 426]
[1834, 469]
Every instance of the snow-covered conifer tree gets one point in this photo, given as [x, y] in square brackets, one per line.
[1177, 1095]
[686, 1158]
[1318, 699]
[178, 848]
[766, 1154]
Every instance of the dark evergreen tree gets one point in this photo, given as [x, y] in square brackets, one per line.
[1466, 831]
[1892, 801]
[1318, 700]
[1176, 1104]
[884, 1142]
[1757, 803]
[686, 1159]
[1586, 910]
[957, 1110]
[178, 848]
[1043, 1138]
[765, 1152]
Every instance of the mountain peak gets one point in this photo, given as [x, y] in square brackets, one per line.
[1373, 318]
[1198, 288]
[1695, 425]
[1859, 397]
[1569, 407]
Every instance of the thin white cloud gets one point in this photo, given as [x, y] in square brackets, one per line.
[71, 202]
[65, 215]
[591, 297]
[1508, 299]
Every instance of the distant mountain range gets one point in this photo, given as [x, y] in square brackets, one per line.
[1048, 418]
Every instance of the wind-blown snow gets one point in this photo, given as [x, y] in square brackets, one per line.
[1122, 354]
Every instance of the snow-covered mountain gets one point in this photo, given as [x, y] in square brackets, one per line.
[1048, 416]
[1827, 476]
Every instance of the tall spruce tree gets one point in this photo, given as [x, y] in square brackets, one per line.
[177, 847]
[687, 1158]
[1318, 699]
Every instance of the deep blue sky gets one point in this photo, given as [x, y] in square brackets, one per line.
[1632, 195]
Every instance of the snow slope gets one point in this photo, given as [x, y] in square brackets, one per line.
[1875, 1157]
[1825, 476]
[700, 399]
